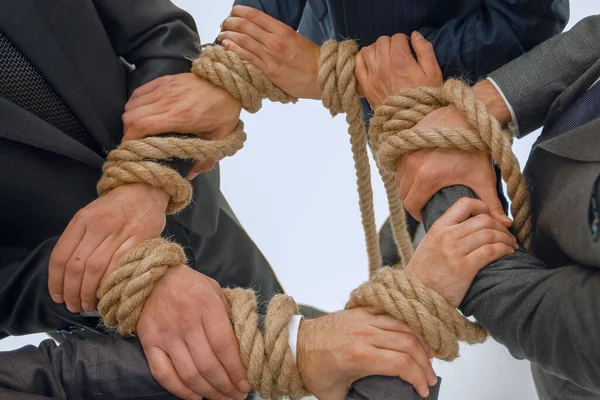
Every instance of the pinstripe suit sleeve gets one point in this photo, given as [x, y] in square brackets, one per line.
[287, 11]
[496, 32]
[533, 82]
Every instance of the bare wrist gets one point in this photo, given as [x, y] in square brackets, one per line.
[485, 92]
[148, 192]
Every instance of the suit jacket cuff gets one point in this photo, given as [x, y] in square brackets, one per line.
[514, 123]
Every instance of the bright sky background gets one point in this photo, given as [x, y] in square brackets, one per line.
[293, 188]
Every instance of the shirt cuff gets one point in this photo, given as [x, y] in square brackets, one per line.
[513, 124]
[293, 327]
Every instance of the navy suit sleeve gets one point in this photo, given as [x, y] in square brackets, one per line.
[287, 11]
[496, 32]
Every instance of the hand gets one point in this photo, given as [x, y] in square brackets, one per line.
[181, 103]
[97, 236]
[388, 66]
[461, 243]
[338, 349]
[188, 338]
[422, 173]
[286, 57]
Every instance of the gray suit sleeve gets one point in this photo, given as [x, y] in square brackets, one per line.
[544, 315]
[533, 81]
[105, 369]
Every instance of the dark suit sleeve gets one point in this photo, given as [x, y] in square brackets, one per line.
[155, 36]
[106, 368]
[547, 316]
[26, 306]
[493, 33]
[287, 11]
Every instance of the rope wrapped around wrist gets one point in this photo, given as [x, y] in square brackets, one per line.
[267, 357]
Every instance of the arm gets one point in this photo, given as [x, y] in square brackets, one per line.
[154, 35]
[532, 82]
[494, 33]
[110, 367]
[540, 314]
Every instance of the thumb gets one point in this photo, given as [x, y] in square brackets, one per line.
[490, 197]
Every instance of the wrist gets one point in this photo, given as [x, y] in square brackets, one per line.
[485, 92]
[159, 197]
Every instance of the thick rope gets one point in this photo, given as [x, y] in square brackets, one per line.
[267, 357]
[393, 135]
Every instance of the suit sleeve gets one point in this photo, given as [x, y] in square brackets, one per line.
[26, 303]
[287, 11]
[494, 33]
[532, 82]
[546, 316]
[109, 368]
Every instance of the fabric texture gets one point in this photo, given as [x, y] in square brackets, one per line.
[22, 84]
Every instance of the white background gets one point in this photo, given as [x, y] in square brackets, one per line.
[293, 188]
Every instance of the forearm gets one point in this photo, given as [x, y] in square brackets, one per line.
[493, 33]
[540, 314]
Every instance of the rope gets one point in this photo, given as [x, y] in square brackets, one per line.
[393, 135]
[267, 357]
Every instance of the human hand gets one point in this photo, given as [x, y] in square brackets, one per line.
[422, 173]
[351, 344]
[188, 339]
[388, 66]
[182, 103]
[97, 236]
[286, 57]
[461, 243]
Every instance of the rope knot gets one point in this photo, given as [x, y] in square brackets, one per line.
[126, 290]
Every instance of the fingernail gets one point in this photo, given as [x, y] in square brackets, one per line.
[72, 309]
[244, 386]
[417, 35]
[226, 43]
[57, 298]
[426, 393]
[192, 175]
[86, 306]
[432, 379]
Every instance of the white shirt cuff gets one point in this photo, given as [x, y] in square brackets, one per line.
[513, 125]
[293, 327]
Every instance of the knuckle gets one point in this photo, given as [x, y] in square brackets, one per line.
[357, 354]
[488, 235]
[411, 342]
[208, 367]
[381, 40]
[160, 373]
[222, 344]
[139, 125]
[190, 375]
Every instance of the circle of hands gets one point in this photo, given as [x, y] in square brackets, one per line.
[188, 340]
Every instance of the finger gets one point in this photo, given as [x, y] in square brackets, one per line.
[61, 254]
[369, 55]
[483, 237]
[401, 57]
[489, 195]
[262, 20]
[476, 224]
[144, 100]
[388, 323]
[416, 196]
[361, 72]
[148, 87]
[462, 210]
[95, 268]
[150, 125]
[223, 342]
[188, 371]
[75, 269]
[164, 372]
[425, 54]
[200, 167]
[249, 29]
[382, 54]
[407, 343]
[392, 363]
[233, 42]
[486, 255]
